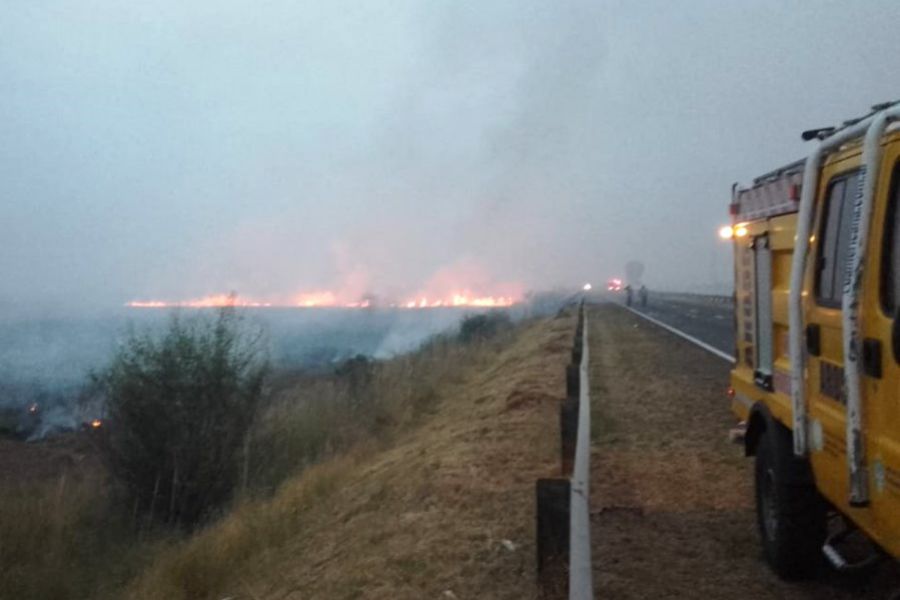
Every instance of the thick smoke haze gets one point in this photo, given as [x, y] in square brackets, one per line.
[173, 150]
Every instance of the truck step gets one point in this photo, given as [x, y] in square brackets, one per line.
[840, 562]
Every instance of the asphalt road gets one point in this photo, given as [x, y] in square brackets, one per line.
[704, 317]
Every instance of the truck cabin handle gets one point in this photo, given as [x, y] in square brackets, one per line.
[895, 335]
[814, 339]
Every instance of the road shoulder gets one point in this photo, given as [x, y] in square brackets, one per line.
[672, 500]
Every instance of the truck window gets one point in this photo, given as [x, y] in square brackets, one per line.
[890, 283]
[835, 240]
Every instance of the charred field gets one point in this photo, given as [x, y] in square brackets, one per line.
[46, 361]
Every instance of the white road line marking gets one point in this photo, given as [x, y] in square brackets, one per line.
[682, 334]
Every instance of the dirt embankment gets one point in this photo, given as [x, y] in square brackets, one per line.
[446, 510]
[673, 513]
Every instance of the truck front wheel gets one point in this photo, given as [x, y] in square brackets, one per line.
[790, 513]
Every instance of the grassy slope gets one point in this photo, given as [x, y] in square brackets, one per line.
[423, 515]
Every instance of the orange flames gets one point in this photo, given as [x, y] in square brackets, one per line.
[214, 301]
[464, 283]
[329, 299]
[313, 299]
[461, 300]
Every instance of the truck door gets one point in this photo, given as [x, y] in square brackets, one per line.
[824, 342]
[880, 312]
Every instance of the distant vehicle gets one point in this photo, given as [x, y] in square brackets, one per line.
[816, 381]
[614, 285]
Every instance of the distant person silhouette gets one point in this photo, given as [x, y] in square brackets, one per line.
[628, 295]
[642, 293]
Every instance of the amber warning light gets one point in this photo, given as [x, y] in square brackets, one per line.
[728, 232]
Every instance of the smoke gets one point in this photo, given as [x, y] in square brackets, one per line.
[295, 149]
[174, 150]
[488, 150]
[45, 364]
[342, 151]
[362, 148]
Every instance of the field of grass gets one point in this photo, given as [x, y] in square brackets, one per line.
[408, 478]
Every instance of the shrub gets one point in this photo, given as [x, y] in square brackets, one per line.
[483, 326]
[179, 407]
[356, 374]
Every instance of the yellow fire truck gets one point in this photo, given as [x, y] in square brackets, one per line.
[816, 380]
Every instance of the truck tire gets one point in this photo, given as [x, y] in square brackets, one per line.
[790, 512]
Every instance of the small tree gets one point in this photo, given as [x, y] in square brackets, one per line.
[356, 375]
[179, 406]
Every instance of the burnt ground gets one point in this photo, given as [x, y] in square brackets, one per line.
[672, 499]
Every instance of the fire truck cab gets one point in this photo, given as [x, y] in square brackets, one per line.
[816, 379]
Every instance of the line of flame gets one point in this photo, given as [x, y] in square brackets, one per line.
[328, 300]
[215, 301]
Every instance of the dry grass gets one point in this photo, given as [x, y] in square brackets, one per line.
[426, 510]
[314, 417]
[59, 539]
[673, 511]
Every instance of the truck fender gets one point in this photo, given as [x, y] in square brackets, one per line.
[798, 469]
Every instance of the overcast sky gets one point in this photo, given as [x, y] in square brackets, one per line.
[173, 149]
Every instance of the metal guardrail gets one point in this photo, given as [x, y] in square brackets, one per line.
[563, 503]
[581, 585]
[695, 297]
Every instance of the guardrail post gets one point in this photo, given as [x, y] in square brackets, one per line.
[568, 416]
[573, 378]
[553, 517]
[576, 351]
[568, 430]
